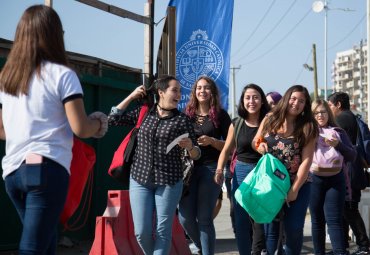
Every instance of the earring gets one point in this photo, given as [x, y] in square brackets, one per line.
[302, 113]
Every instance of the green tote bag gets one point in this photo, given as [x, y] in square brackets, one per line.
[264, 190]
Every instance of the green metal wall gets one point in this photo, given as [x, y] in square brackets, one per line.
[100, 93]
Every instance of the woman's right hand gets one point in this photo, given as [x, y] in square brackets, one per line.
[138, 93]
[262, 148]
[103, 123]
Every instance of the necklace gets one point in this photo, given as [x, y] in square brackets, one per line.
[163, 109]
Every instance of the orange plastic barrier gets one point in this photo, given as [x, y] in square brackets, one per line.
[114, 231]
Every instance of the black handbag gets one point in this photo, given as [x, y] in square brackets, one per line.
[188, 168]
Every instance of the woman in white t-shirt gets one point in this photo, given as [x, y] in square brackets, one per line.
[41, 108]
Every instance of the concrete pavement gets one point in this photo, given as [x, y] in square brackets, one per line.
[225, 243]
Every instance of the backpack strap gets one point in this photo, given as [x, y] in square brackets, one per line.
[238, 125]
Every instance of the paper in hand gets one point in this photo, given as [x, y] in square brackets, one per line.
[176, 141]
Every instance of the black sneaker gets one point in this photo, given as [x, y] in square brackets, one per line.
[361, 251]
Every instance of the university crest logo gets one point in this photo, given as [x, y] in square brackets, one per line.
[198, 57]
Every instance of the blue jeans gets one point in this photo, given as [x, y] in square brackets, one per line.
[196, 208]
[243, 225]
[154, 202]
[293, 224]
[326, 206]
[38, 193]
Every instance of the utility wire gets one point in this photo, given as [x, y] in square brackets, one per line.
[255, 29]
[280, 41]
[299, 75]
[348, 34]
[268, 33]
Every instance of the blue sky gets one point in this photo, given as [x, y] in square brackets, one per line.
[271, 39]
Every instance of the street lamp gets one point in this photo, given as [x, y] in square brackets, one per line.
[319, 6]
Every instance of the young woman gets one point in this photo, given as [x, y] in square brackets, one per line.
[252, 109]
[328, 183]
[289, 133]
[42, 107]
[211, 123]
[156, 176]
[273, 98]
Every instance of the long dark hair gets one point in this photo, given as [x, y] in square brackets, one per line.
[214, 104]
[265, 108]
[38, 38]
[305, 124]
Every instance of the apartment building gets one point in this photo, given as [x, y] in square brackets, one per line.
[349, 74]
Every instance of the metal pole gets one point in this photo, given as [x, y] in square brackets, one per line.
[48, 3]
[233, 100]
[361, 77]
[325, 49]
[315, 72]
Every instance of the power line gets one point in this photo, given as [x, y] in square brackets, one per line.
[348, 34]
[255, 29]
[280, 41]
[299, 75]
[268, 33]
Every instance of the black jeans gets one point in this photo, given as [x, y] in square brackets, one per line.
[258, 238]
[353, 219]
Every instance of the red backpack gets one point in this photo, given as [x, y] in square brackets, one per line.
[122, 158]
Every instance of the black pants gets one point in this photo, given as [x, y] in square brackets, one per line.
[258, 238]
[353, 219]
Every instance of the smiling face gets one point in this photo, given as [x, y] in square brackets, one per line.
[252, 101]
[321, 115]
[203, 91]
[170, 98]
[296, 103]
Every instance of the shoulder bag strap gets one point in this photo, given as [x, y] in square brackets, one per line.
[143, 113]
[238, 125]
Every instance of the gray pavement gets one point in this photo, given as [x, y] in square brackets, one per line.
[225, 243]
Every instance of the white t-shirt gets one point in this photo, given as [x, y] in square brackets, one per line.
[37, 122]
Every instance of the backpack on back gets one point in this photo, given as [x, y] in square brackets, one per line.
[358, 175]
[327, 161]
[363, 140]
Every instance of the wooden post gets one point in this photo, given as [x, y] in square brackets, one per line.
[315, 72]
[148, 43]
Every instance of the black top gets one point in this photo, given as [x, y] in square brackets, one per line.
[245, 152]
[206, 127]
[347, 121]
[151, 164]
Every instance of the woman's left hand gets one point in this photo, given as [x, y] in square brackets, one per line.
[186, 143]
[332, 142]
[292, 195]
[205, 140]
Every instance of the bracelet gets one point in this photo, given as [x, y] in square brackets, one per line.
[213, 141]
[219, 171]
[259, 141]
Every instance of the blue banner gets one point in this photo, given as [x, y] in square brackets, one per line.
[203, 42]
